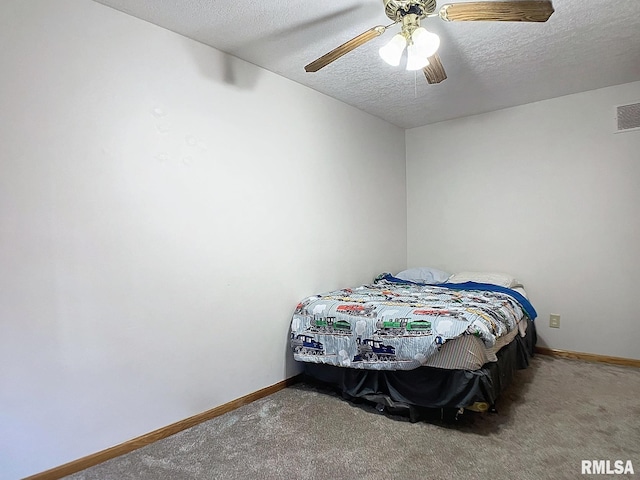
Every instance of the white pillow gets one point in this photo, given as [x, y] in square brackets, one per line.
[423, 275]
[500, 279]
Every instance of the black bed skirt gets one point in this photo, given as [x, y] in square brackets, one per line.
[431, 387]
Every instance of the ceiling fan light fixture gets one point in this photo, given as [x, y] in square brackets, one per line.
[422, 44]
[392, 51]
[425, 42]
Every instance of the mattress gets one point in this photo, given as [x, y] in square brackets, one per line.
[468, 352]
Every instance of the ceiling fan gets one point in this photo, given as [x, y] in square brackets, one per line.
[422, 45]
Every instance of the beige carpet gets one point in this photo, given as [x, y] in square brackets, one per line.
[555, 414]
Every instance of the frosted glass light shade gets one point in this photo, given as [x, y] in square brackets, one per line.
[425, 42]
[415, 59]
[392, 51]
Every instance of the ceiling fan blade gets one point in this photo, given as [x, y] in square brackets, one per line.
[434, 71]
[525, 11]
[345, 48]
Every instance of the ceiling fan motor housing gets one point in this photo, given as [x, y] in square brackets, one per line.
[397, 9]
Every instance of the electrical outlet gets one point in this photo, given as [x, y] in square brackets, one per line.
[554, 320]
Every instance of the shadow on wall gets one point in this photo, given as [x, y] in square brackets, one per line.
[239, 73]
[223, 68]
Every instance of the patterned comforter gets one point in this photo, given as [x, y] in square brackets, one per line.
[397, 326]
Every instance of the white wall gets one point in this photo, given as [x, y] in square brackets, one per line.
[163, 207]
[548, 193]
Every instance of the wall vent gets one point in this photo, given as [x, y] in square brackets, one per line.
[628, 117]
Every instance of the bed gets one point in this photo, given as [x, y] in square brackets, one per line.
[418, 340]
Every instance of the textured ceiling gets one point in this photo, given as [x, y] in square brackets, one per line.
[586, 44]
